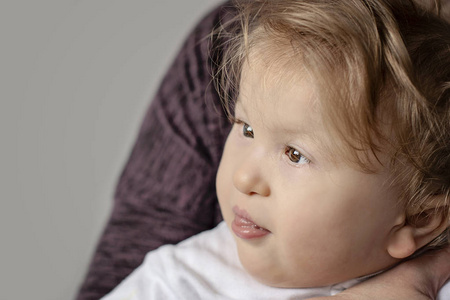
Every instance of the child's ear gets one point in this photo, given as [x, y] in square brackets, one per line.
[409, 236]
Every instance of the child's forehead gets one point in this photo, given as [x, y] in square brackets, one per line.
[278, 106]
[273, 73]
[272, 85]
[277, 56]
[270, 82]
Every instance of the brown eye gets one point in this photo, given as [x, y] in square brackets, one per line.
[247, 130]
[295, 156]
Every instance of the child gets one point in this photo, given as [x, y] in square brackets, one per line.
[337, 166]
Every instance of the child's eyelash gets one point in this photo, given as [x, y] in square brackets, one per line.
[296, 156]
[247, 130]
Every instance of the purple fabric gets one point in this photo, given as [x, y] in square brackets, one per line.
[166, 192]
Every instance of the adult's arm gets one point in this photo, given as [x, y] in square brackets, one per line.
[166, 191]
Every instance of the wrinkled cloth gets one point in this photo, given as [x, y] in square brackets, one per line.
[166, 192]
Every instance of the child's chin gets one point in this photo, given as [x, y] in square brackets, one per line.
[281, 281]
[274, 275]
[289, 284]
[298, 281]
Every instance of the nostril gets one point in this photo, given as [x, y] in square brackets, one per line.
[251, 182]
[242, 181]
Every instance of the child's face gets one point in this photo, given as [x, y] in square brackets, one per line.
[299, 221]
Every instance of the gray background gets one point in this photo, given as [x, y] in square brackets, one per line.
[76, 77]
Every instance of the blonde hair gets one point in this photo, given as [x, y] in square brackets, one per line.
[383, 65]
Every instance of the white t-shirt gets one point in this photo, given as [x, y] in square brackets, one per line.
[207, 266]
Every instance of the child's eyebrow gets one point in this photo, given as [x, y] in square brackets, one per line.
[238, 106]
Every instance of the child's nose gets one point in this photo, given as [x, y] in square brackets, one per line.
[249, 179]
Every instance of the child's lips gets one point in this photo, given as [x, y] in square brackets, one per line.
[244, 227]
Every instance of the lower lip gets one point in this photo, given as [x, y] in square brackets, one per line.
[246, 229]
